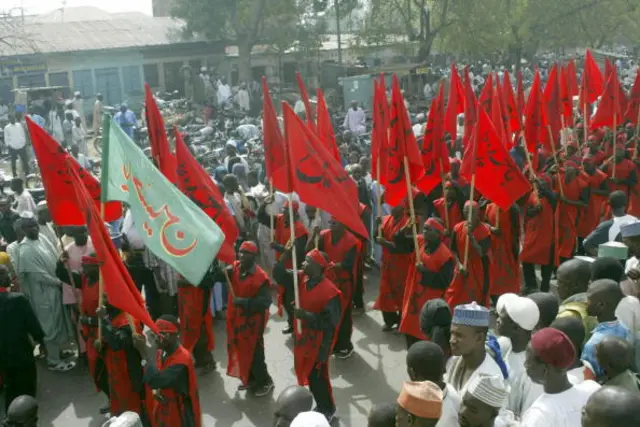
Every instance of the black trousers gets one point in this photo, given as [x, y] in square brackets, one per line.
[20, 380]
[259, 374]
[201, 354]
[343, 341]
[358, 292]
[287, 300]
[411, 340]
[391, 318]
[320, 387]
[22, 153]
[530, 280]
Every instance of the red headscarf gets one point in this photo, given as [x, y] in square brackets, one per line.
[249, 247]
[164, 326]
[319, 258]
[436, 225]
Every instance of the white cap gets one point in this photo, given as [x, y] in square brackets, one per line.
[523, 311]
[310, 419]
[491, 390]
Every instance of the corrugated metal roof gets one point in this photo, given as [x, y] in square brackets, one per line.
[96, 35]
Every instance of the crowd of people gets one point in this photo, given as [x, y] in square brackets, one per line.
[488, 342]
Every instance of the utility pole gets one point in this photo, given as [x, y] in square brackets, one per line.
[336, 3]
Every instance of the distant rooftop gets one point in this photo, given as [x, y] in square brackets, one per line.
[84, 13]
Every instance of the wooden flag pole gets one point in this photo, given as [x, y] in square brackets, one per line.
[444, 196]
[294, 260]
[71, 279]
[635, 147]
[412, 212]
[615, 134]
[466, 245]
[100, 286]
[272, 218]
[555, 159]
[584, 124]
[316, 223]
[498, 218]
[229, 284]
[379, 198]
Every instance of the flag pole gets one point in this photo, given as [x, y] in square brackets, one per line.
[615, 131]
[555, 159]
[71, 279]
[466, 244]
[412, 212]
[316, 223]
[379, 196]
[229, 284]
[532, 174]
[100, 286]
[294, 261]
[444, 196]
[272, 218]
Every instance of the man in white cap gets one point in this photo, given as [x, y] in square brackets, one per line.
[482, 403]
[78, 105]
[518, 317]
[469, 328]
[310, 419]
[418, 128]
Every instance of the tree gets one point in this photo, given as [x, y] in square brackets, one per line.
[13, 35]
[421, 21]
[241, 22]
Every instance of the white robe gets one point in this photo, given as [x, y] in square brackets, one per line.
[560, 409]
[523, 390]
[487, 367]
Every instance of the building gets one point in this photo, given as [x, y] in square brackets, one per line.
[92, 51]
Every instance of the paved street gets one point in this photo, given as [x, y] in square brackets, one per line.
[374, 374]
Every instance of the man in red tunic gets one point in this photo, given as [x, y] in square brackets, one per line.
[540, 235]
[89, 321]
[453, 206]
[426, 280]
[394, 267]
[574, 199]
[247, 316]
[472, 284]
[594, 151]
[505, 247]
[196, 321]
[319, 314]
[282, 234]
[598, 192]
[123, 361]
[172, 377]
[626, 177]
[343, 250]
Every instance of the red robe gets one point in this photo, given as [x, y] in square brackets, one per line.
[598, 157]
[195, 314]
[463, 289]
[88, 307]
[540, 233]
[281, 236]
[569, 215]
[505, 266]
[170, 413]
[455, 213]
[394, 268]
[308, 342]
[344, 280]
[122, 394]
[623, 170]
[416, 295]
[590, 216]
[244, 328]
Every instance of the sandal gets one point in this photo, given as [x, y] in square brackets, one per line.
[62, 367]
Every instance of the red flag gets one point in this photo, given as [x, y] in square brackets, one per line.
[118, 285]
[496, 118]
[592, 81]
[608, 110]
[305, 100]
[633, 106]
[57, 182]
[434, 150]
[608, 69]
[318, 179]
[165, 160]
[402, 144]
[455, 103]
[498, 178]
[535, 124]
[572, 79]
[552, 102]
[520, 102]
[566, 99]
[470, 107]
[379, 133]
[505, 119]
[196, 184]
[274, 149]
[487, 93]
[515, 116]
[325, 127]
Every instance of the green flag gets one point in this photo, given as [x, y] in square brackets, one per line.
[174, 228]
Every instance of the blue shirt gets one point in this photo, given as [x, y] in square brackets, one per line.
[38, 120]
[127, 121]
[600, 332]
